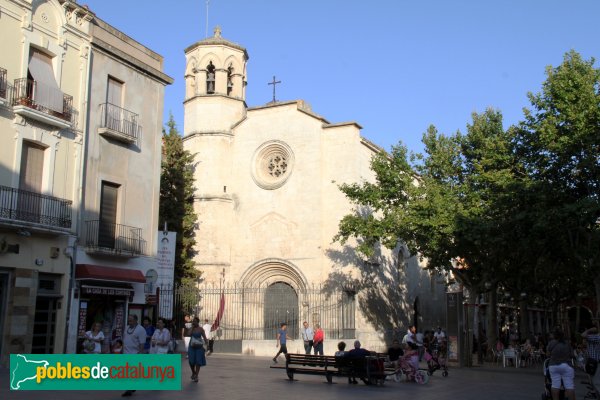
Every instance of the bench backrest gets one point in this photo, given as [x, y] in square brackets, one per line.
[309, 359]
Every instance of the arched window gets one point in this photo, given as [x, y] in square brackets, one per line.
[210, 78]
[229, 80]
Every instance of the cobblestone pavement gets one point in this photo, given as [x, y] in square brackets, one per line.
[234, 377]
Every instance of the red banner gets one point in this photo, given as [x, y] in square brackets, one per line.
[217, 322]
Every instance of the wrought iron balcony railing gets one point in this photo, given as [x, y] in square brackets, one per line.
[119, 120]
[29, 93]
[3, 83]
[25, 206]
[114, 238]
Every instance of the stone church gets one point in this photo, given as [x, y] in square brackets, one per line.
[269, 205]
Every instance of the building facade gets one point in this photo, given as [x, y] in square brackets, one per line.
[269, 205]
[63, 145]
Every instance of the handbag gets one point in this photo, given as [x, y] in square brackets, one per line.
[196, 342]
[89, 345]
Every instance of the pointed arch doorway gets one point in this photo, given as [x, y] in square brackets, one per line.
[281, 306]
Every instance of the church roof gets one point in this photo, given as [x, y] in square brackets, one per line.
[217, 40]
[300, 104]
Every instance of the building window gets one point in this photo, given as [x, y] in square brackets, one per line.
[42, 86]
[108, 215]
[272, 164]
[114, 92]
[114, 117]
[32, 167]
[29, 203]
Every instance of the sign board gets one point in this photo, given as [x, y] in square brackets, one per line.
[454, 325]
[106, 291]
[165, 261]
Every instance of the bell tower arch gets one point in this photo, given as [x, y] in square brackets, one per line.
[215, 77]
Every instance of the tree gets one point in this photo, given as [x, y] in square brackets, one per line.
[447, 205]
[176, 202]
[559, 141]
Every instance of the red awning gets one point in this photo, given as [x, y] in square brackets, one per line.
[100, 273]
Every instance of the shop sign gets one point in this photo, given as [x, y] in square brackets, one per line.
[106, 291]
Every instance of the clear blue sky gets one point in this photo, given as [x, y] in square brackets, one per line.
[393, 66]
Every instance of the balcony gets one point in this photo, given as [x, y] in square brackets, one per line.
[3, 86]
[21, 208]
[113, 239]
[35, 100]
[118, 123]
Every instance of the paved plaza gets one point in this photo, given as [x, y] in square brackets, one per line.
[235, 377]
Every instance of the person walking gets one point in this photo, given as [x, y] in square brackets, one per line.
[592, 338]
[186, 332]
[211, 341]
[282, 338]
[592, 353]
[419, 337]
[133, 341]
[561, 370]
[196, 352]
[318, 339]
[147, 324]
[307, 337]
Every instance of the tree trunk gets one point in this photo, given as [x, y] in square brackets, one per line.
[523, 320]
[597, 287]
[492, 319]
[469, 326]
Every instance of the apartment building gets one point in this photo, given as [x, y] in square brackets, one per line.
[80, 125]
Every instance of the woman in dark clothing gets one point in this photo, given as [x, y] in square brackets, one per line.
[196, 352]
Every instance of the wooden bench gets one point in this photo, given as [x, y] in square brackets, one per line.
[369, 369]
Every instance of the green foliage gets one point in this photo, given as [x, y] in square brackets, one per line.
[559, 141]
[518, 207]
[177, 201]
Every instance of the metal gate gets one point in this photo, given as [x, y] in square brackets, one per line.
[255, 313]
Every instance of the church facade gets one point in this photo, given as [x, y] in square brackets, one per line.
[269, 206]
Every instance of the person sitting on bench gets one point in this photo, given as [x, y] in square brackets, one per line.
[357, 352]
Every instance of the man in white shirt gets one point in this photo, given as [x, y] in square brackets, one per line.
[209, 335]
[307, 336]
[420, 348]
[439, 335]
[410, 336]
[134, 339]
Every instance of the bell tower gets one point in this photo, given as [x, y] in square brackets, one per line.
[215, 92]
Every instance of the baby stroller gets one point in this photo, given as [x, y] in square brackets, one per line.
[547, 395]
[436, 360]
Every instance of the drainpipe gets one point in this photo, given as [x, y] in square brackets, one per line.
[71, 250]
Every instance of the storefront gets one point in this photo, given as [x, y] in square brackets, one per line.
[105, 295]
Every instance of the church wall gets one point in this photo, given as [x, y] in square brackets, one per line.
[280, 223]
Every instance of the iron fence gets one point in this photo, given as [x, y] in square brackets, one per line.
[23, 205]
[119, 120]
[3, 83]
[255, 313]
[26, 93]
[115, 238]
